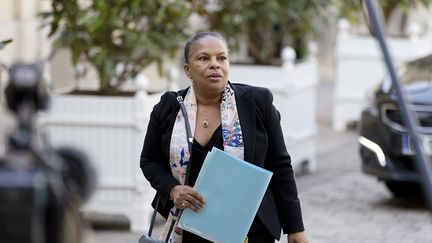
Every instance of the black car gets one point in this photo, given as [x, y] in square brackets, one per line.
[385, 147]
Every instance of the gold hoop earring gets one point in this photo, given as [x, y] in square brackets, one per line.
[193, 82]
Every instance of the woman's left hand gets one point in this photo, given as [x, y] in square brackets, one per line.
[298, 237]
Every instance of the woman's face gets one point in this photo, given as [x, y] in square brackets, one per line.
[208, 66]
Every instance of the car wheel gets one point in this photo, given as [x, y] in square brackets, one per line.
[404, 189]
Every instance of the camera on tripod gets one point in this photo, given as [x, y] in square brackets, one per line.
[41, 188]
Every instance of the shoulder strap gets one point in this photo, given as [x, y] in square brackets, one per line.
[189, 139]
[188, 131]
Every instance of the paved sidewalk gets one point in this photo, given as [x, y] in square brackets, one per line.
[340, 204]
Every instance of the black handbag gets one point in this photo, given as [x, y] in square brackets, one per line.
[147, 238]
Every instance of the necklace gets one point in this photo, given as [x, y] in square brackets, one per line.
[205, 123]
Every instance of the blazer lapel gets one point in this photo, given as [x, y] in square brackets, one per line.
[246, 112]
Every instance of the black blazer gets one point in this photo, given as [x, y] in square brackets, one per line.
[264, 146]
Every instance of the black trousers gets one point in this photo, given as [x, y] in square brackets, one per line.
[258, 233]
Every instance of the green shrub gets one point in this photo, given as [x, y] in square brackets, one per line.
[119, 38]
[267, 25]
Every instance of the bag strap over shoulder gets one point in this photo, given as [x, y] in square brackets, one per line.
[188, 130]
[189, 139]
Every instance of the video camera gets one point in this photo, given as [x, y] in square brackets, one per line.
[41, 188]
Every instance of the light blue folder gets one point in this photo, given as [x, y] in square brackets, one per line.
[233, 190]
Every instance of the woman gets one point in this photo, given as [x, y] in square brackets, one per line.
[236, 118]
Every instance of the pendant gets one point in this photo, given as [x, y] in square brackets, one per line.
[205, 123]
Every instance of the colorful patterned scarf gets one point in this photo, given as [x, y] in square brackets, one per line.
[179, 150]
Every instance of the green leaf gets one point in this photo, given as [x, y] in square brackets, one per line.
[76, 53]
[3, 43]
[44, 15]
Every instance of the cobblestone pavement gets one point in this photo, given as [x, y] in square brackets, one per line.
[340, 204]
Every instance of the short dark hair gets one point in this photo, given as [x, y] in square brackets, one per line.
[198, 37]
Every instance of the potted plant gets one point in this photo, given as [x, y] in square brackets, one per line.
[118, 39]
[265, 26]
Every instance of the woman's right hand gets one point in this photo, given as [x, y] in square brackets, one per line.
[187, 197]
